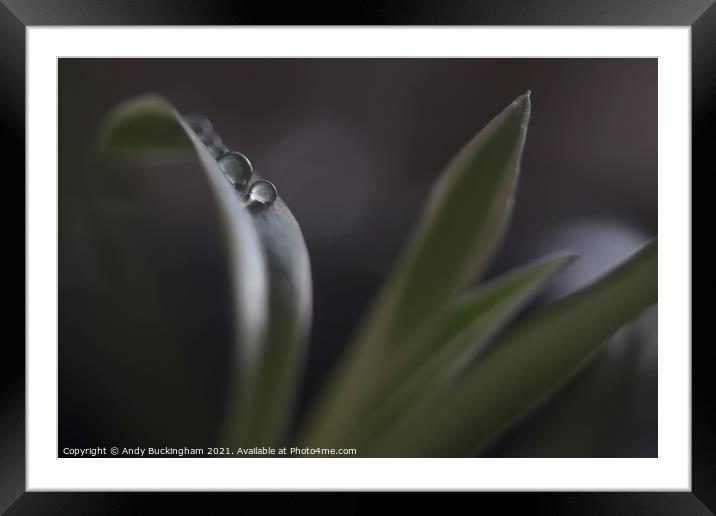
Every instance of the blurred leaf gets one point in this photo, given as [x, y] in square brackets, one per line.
[608, 409]
[458, 335]
[525, 365]
[465, 216]
[145, 363]
[145, 337]
[245, 258]
[268, 405]
[147, 123]
[270, 272]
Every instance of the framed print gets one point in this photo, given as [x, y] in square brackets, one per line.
[419, 253]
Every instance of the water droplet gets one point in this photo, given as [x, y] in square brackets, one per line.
[262, 192]
[201, 126]
[217, 148]
[237, 169]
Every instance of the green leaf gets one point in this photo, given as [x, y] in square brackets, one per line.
[142, 124]
[268, 402]
[462, 224]
[525, 365]
[150, 124]
[166, 261]
[269, 266]
[608, 409]
[120, 330]
[459, 333]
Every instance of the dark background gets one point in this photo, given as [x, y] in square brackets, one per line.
[353, 146]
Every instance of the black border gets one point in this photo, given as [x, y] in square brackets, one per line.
[16, 15]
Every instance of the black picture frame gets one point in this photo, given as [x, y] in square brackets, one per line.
[17, 15]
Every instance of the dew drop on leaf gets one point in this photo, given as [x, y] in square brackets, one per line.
[237, 169]
[201, 126]
[262, 192]
[217, 148]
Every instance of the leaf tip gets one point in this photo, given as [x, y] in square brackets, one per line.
[557, 262]
[522, 106]
[569, 257]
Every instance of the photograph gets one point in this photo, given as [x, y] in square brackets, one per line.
[410, 249]
[369, 257]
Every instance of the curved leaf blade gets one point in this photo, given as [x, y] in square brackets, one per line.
[459, 334]
[148, 126]
[268, 403]
[462, 224]
[526, 365]
[465, 217]
[271, 279]
[143, 124]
